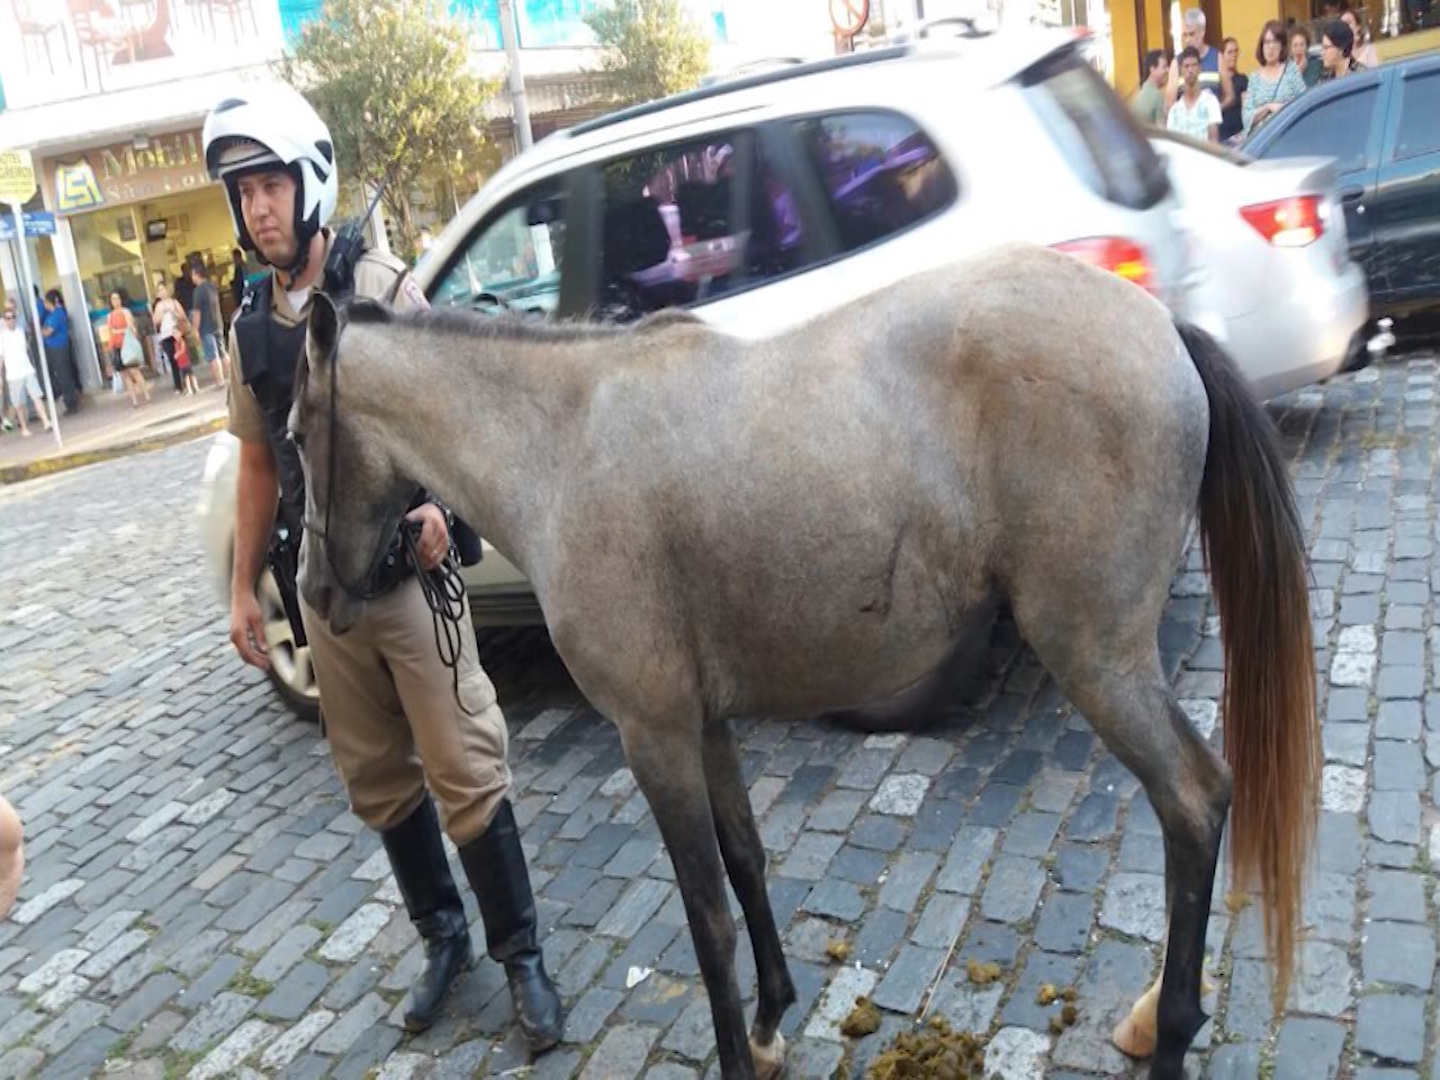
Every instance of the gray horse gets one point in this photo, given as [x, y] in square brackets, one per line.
[717, 528]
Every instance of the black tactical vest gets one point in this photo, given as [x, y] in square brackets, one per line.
[269, 355]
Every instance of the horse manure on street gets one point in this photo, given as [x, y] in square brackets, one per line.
[1050, 993]
[838, 951]
[935, 1052]
[1065, 1018]
[982, 974]
[863, 1020]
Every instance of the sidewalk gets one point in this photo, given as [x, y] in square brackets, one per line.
[107, 427]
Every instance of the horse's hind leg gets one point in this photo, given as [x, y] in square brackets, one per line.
[668, 763]
[1112, 674]
[745, 860]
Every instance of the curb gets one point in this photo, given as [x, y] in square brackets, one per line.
[15, 474]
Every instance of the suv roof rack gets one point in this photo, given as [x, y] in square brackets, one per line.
[762, 78]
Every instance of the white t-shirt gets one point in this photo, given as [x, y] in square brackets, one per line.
[299, 297]
[17, 354]
[1194, 122]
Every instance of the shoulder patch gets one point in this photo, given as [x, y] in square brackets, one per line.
[410, 288]
[383, 260]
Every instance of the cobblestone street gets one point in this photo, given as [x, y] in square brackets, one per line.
[199, 902]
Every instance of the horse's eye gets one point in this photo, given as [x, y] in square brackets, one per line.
[296, 438]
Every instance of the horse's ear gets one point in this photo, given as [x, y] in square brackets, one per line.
[322, 331]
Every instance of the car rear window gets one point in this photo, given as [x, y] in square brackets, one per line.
[1096, 133]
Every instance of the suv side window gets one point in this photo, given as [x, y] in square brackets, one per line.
[881, 174]
[516, 257]
[692, 222]
[1338, 128]
[1419, 116]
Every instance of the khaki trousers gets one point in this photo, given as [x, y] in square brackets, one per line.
[390, 714]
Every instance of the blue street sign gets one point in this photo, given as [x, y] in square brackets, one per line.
[37, 223]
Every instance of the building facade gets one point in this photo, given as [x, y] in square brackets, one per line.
[110, 99]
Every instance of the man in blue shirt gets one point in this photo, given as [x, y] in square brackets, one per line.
[59, 357]
[1213, 76]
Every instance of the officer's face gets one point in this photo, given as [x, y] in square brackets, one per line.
[267, 203]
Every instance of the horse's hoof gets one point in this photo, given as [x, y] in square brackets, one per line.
[1132, 1038]
[769, 1060]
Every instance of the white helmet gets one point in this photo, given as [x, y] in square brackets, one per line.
[273, 124]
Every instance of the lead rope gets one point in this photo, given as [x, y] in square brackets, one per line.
[444, 592]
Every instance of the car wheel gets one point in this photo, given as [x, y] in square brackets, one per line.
[291, 672]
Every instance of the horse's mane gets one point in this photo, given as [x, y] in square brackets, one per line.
[510, 326]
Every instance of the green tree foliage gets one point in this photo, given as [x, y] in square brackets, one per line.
[652, 48]
[392, 79]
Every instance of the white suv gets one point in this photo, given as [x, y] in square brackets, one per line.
[763, 201]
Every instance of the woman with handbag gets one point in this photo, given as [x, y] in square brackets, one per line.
[173, 322]
[126, 353]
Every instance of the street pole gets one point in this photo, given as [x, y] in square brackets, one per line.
[510, 35]
[33, 317]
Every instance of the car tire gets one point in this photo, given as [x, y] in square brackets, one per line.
[291, 672]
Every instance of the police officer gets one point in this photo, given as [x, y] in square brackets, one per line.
[391, 713]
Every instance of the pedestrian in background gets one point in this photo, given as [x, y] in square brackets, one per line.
[59, 356]
[1149, 104]
[1196, 113]
[1363, 49]
[1309, 66]
[205, 314]
[1212, 78]
[1231, 105]
[1275, 83]
[237, 276]
[20, 377]
[126, 352]
[185, 366]
[169, 318]
[1337, 46]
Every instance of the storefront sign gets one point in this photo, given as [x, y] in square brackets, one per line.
[37, 223]
[120, 174]
[17, 177]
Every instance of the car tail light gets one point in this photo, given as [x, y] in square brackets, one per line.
[1292, 222]
[1122, 257]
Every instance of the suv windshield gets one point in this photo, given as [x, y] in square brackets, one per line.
[1096, 133]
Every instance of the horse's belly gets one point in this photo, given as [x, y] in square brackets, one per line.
[829, 640]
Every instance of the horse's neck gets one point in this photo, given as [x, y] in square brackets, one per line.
[484, 426]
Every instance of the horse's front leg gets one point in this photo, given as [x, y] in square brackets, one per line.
[668, 762]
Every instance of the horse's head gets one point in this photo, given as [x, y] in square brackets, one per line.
[354, 493]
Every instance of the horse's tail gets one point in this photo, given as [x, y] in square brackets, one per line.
[1254, 546]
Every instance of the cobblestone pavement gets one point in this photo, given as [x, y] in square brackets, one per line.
[199, 902]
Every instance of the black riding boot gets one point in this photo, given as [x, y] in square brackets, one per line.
[421, 870]
[495, 865]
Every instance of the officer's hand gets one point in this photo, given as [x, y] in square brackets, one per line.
[434, 539]
[247, 631]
